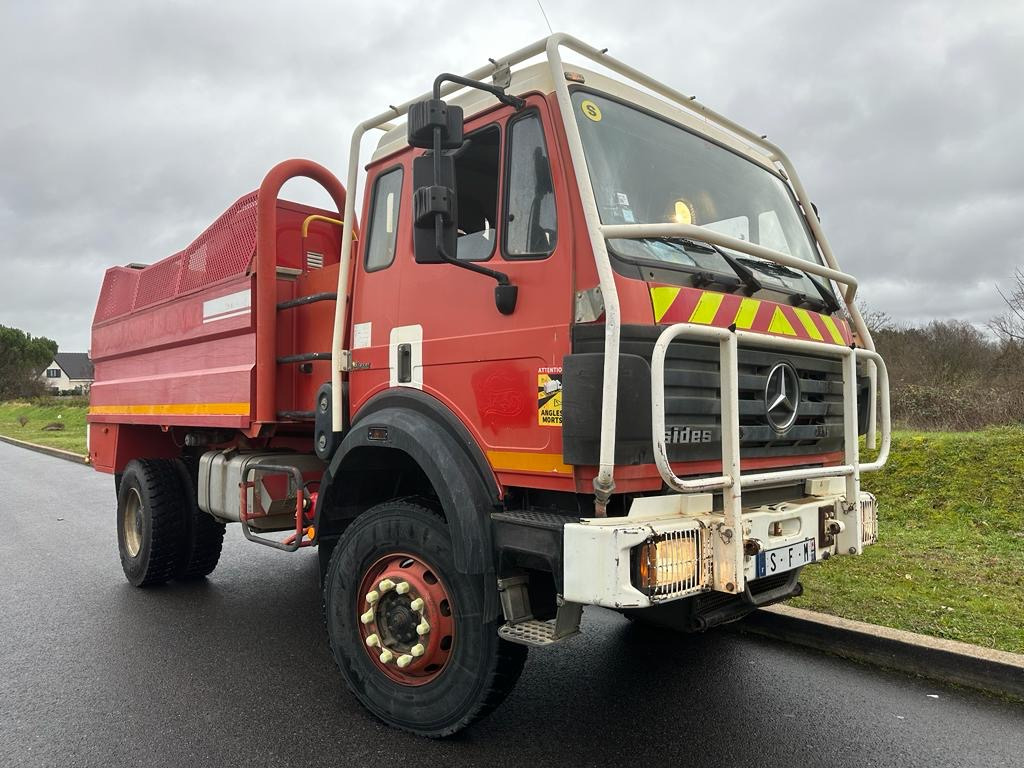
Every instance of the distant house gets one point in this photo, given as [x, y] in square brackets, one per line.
[69, 373]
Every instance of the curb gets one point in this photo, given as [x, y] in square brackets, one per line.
[948, 661]
[76, 458]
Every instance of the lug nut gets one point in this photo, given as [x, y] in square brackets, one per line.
[417, 604]
[372, 640]
[367, 617]
[386, 585]
[423, 628]
[372, 597]
[404, 660]
[418, 650]
[386, 656]
[402, 587]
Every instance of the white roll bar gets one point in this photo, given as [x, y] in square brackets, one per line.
[732, 480]
[604, 482]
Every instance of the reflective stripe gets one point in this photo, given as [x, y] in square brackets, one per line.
[808, 323]
[780, 324]
[746, 313]
[518, 461]
[707, 307]
[672, 304]
[662, 298]
[833, 329]
[172, 409]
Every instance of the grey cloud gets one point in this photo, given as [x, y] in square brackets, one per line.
[128, 127]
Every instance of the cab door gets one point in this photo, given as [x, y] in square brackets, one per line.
[500, 374]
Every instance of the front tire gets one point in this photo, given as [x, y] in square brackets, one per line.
[149, 521]
[407, 629]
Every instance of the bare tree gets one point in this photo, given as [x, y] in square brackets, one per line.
[1009, 326]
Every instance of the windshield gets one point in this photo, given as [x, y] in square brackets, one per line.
[647, 170]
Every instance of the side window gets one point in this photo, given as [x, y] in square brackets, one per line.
[387, 196]
[530, 199]
[476, 176]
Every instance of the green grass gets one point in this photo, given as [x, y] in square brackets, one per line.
[950, 556]
[42, 411]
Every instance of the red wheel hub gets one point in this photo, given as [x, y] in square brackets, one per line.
[406, 619]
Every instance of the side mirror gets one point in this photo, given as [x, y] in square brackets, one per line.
[435, 126]
[424, 116]
[433, 180]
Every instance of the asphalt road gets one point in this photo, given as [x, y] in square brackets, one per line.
[235, 671]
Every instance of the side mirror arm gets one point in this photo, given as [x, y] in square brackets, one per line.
[496, 90]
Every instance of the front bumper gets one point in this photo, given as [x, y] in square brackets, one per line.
[600, 554]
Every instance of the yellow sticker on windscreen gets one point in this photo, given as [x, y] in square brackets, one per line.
[591, 110]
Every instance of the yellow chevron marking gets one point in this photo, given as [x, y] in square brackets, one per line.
[746, 313]
[833, 329]
[661, 299]
[808, 323]
[172, 409]
[707, 307]
[780, 324]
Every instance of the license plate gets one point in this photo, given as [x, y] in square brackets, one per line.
[785, 558]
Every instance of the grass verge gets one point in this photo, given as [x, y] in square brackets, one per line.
[39, 412]
[950, 556]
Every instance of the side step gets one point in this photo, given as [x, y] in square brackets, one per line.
[522, 539]
[538, 634]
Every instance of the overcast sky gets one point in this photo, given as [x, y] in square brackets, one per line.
[128, 127]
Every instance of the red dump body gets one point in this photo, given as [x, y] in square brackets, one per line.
[175, 343]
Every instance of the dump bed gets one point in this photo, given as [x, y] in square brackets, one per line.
[175, 343]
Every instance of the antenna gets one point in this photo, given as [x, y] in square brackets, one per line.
[542, 13]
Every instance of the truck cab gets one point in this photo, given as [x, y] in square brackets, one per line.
[588, 347]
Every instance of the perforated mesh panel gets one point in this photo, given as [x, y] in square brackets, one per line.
[117, 293]
[158, 282]
[224, 250]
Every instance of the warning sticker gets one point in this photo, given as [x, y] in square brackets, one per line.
[549, 397]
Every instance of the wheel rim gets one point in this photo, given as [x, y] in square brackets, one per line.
[406, 619]
[131, 526]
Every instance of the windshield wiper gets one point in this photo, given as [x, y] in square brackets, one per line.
[828, 299]
[749, 280]
[700, 279]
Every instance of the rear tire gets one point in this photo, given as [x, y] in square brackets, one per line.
[149, 521]
[203, 535]
[461, 678]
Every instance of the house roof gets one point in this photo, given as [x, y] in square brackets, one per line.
[76, 365]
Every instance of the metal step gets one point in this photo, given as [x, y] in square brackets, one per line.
[532, 632]
[538, 633]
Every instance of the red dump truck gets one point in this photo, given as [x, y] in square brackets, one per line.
[586, 344]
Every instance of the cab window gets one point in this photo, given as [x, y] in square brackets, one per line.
[530, 198]
[476, 175]
[383, 233]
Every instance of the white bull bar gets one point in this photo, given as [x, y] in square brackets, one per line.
[729, 571]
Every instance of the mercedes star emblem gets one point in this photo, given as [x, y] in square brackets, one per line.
[782, 396]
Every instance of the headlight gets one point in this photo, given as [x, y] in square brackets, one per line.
[670, 563]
